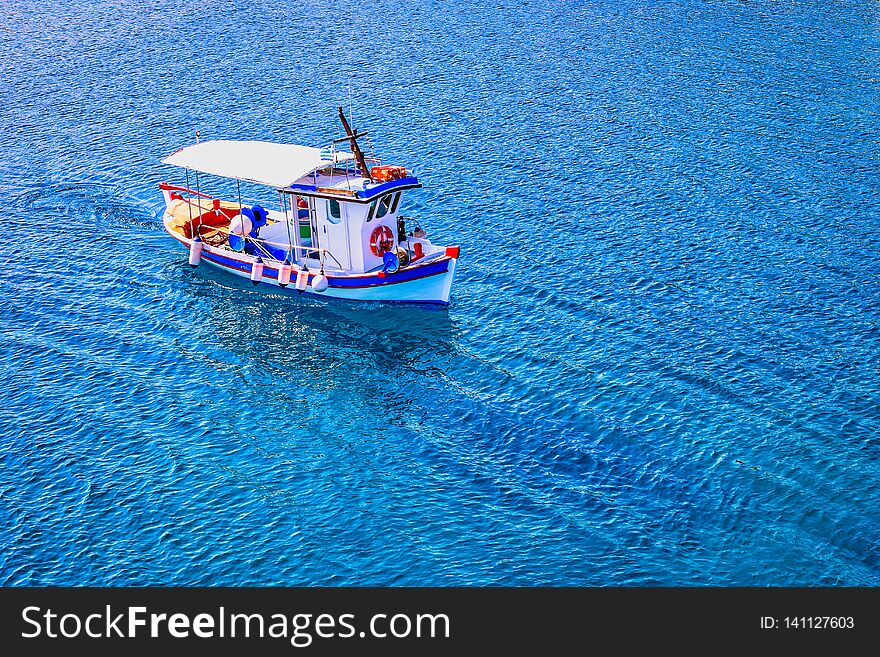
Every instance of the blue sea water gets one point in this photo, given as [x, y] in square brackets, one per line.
[661, 365]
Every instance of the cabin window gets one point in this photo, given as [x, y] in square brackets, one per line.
[371, 212]
[395, 202]
[333, 212]
[382, 207]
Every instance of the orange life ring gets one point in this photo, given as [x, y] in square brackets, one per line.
[381, 241]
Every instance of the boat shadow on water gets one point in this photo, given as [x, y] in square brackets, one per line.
[283, 330]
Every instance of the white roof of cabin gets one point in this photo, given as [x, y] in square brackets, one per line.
[263, 162]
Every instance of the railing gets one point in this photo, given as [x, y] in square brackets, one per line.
[177, 188]
[260, 242]
[165, 187]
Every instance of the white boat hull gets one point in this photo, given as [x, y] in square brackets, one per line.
[421, 282]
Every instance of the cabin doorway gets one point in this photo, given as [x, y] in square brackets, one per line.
[334, 233]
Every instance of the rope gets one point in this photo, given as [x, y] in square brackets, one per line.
[189, 205]
[372, 149]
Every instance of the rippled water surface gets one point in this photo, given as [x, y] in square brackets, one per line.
[661, 361]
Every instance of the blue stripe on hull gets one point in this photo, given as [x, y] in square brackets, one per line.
[410, 274]
[292, 291]
[432, 278]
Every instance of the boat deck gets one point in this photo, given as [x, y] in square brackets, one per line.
[205, 215]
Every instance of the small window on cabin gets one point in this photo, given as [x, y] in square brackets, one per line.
[395, 202]
[382, 207]
[333, 214]
[371, 212]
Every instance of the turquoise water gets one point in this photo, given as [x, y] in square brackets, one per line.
[660, 365]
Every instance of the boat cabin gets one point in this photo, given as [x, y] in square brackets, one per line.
[327, 214]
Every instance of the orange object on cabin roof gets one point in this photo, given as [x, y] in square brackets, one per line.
[386, 172]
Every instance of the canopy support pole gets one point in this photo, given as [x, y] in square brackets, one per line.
[198, 191]
[240, 206]
[287, 221]
[190, 206]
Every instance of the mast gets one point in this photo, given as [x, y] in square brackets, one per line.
[352, 140]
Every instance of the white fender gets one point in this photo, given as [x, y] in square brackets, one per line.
[320, 283]
[195, 252]
[257, 271]
[239, 228]
[302, 279]
[284, 272]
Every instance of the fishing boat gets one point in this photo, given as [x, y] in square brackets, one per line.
[337, 230]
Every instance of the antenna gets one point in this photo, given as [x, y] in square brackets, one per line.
[350, 105]
[351, 137]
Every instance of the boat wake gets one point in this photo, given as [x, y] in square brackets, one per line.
[95, 206]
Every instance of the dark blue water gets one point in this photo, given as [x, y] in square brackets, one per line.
[661, 361]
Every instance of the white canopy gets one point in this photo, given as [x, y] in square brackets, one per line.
[276, 165]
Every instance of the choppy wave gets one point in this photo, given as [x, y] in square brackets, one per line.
[660, 366]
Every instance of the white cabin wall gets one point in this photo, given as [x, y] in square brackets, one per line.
[390, 220]
[354, 215]
[353, 231]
